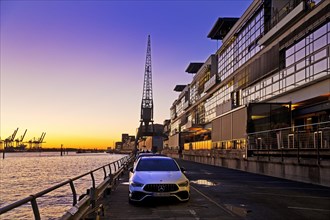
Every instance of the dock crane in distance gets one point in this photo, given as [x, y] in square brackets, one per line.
[8, 141]
[36, 144]
[40, 140]
[19, 141]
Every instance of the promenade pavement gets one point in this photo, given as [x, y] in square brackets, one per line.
[222, 193]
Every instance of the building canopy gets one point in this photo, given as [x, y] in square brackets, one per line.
[221, 28]
[194, 67]
[179, 88]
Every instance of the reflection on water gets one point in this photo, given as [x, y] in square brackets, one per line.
[23, 174]
[204, 182]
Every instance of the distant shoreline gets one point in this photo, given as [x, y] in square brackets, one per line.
[53, 150]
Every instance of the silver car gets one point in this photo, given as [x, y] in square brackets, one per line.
[158, 176]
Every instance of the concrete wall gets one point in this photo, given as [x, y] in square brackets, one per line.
[307, 171]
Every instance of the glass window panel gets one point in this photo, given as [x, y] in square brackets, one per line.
[300, 44]
[276, 86]
[320, 32]
[300, 75]
[283, 84]
[289, 51]
[309, 49]
[320, 66]
[309, 60]
[253, 36]
[319, 43]
[289, 60]
[268, 90]
[258, 95]
[320, 55]
[307, 73]
[262, 92]
[300, 54]
[300, 65]
[309, 38]
[290, 80]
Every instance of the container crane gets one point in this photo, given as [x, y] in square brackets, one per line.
[8, 141]
[40, 140]
[19, 141]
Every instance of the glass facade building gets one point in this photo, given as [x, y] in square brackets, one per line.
[271, 72]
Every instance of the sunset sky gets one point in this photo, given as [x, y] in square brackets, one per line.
[74, 69]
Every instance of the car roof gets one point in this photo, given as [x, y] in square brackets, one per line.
[157, 157]
[149, 154]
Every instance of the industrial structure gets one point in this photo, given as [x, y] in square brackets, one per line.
[11, 144]
[263, 96]
[146, 127]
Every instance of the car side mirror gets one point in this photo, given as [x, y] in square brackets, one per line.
[131, 169]
[183, 170]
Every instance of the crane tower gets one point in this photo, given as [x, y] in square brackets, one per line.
[146, 118]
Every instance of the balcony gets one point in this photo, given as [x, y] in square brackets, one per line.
[189, 124]
[289, 14]
[185, 105]
[210, 83]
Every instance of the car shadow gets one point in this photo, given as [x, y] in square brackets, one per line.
[156, 202]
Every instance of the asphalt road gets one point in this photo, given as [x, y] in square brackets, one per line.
[221, 193]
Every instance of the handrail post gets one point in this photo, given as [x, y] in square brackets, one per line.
[105, 172]
[35, 208]
[318, 147]
[298, 148]
[114, 164]
[117, 164]
[93, 179]
[110, 169]
[74, 193]
[269, 142]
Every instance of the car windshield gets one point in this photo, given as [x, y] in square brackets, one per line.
[157, 164]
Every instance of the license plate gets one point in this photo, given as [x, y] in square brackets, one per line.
[157, 194]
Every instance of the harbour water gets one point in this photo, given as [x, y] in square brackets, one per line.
[24, 174]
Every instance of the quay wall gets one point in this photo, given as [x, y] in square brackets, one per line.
[306, 170]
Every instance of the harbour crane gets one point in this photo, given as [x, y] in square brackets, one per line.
[147, 101]
[36, 144]
[19, 141]
[40, 140]
[8, 141]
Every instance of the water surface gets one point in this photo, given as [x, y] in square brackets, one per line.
[24, 174]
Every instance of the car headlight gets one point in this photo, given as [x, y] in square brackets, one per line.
[136, 184]
[183, 184]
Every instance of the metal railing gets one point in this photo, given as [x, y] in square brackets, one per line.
[308, 141]
[87, 204]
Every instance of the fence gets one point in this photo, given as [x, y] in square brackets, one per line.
[305, 141]
[87, 205]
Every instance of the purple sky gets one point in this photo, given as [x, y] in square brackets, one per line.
[74, 69]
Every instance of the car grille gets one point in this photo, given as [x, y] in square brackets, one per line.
[161, 187]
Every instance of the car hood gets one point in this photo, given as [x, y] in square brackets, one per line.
[159, 177]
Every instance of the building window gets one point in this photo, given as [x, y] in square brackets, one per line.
[303, 62]
[242, 48]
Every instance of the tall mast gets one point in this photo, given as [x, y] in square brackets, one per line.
[147, 100]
